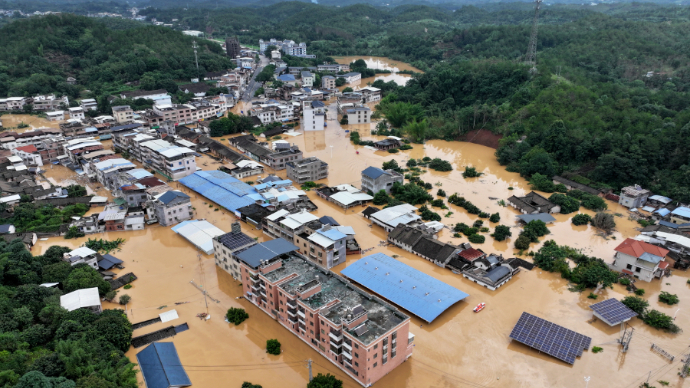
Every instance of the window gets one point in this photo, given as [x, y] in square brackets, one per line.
[356, 355]
[376, 346]
[281, 302]
[323, 332]
[629, 266]
[376, 355]
[356, 363]
[356, 346]
[375, 364]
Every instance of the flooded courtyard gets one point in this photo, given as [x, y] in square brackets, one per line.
[458, 349]
[12, 121]
[381, 63]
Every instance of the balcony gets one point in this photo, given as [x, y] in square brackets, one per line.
[336, 344]
[336, 336]
[301, 314]
[292, 304]
[263, 285]
[263, 293]
[347, 357]
[346, 346]
[292, 319]
[292, 313]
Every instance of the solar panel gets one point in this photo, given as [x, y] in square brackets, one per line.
[613, 311]
[550, 338]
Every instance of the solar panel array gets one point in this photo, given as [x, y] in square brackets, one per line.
[613, 311]
[550, 338]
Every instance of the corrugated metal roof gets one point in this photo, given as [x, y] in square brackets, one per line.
[663, 212]
[682, 211]
[660, 198]
[139, 173]
[161, 366]
[333, 234]
[221, 188]
[415, 291]
[393, 212]
[86, 297]
[321, 240]
[347, 198]
[545, 217]
[199, 233]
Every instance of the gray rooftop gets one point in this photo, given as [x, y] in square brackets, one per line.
[381, 317]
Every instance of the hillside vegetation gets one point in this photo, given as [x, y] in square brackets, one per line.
[38, 54]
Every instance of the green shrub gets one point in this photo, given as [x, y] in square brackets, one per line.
[596, 349]
[273, 347]
[393, 151]
[478, 224]
[495, 217]
[484, 215]
[592, 295]
[567, 204]
[405, 147]
[659, 320]
[639, 291]
[476, 238]
[668, 298]
[501, 232]
[237, 316]
[461, 227]
[437, 203]
[624, 281]
[440, 165]
[582, 219]
[441, 193]
[471, 172]
[470, 231]
[483, 229]
[127, 286]
[522, 242]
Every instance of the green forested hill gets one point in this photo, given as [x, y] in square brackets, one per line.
[37, 54]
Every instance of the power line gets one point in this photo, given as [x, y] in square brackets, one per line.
[450, 375]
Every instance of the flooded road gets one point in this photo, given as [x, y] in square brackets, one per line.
[381, 63]
[11, 121]
[458, 349]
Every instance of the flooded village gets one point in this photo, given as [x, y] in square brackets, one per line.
[180, 263]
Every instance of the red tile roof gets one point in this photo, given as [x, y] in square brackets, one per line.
[663, 264]
[626, 271]
[637, 248]
[471, 254]
[28, 149]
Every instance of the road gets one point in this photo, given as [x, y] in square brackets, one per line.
[253, 85]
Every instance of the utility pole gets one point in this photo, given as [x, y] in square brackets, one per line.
[626, 337]
[201, 267]
[310, 376]
[587, 378]
[531, 57]
[196, 60]
[686, 365]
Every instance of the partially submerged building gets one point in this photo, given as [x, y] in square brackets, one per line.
[634, 196]
[393, 216]
[359, 333]
[161, 366]
[228, 245]
[639, 259]
[308, 169]
[533, 203]
[375, 179]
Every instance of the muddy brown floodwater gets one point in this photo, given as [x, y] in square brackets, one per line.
[458, 349]
[381, 63]
[33, 122]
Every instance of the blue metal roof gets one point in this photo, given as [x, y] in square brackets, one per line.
[333, 234]
[413, 290]
[91, 129]
[651, 258]
[373, 172]
[139, 173]
[169, 196]
[545, 217]
[109, 262]
[668, 224]
[161, 366]
[266, 251]
[279, 183]
[286, 78]
[662, 212]
[682, 211]
[221, 188]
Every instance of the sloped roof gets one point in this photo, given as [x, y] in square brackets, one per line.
[171, 196]
[413, 290]
[221, 188]
[433, 249]
[373, 172]
[471, 254]
[199, 233]
[235, 240]
[86, 297]
[681, 211]
[266, 251]
[161, 366]
[638, 249]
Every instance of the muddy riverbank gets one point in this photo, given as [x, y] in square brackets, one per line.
[458, 349]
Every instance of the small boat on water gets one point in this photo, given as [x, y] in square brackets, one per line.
[479, 307]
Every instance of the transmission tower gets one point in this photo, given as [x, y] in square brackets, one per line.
[531, 57]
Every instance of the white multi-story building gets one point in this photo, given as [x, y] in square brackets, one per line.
[49, 102]
[29, 154]
[123, 113]
[352, 77]
[108, 170]
[169, 160]
[76, 113]
[58, 115]
[170, 208]
[88, 104]
[268, 113]
[13, 103]
[314, 116]
[370, 94]
[358, 115]
[307, 79]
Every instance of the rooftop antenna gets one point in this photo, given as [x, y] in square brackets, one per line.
[196, 60]
[531, 57]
